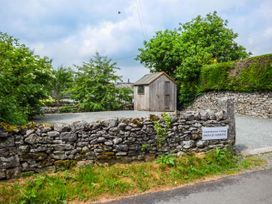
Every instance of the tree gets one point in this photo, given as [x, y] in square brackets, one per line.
[182, 52]
[62, 83]
[95, 85]
[24, 79]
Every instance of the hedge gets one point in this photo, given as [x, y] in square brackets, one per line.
[251, 74]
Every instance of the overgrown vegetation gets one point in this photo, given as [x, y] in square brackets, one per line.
[252, 74]
[24, 80]
[162, 129]
[182, 52]
[95, 182]
[28, 82]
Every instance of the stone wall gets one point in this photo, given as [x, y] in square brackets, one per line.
[253, 104]
[41, 147]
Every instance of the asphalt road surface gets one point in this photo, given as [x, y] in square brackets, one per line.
[249, 188]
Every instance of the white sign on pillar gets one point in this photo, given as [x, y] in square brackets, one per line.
[214, 133]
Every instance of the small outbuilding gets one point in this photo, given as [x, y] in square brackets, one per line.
[155, 92]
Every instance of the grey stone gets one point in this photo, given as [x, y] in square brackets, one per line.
[128, 127]
[117, 140]
[180, 153]
[108, 143]
[122, 147]
[12, 173]
[28, 132]
[121, 153]
[85, 149]
[2, 174]
[9, 162]
[35, 139]
[201, 143]
[7, 142]
[3, 134]
[62, 127]
[68, 136]
[188, 144]
[53, 133]
[62, 147]
[59, 155]
[189, 116]
[101, 139]
[204, 115]
[34, 156]
[111, 123]
[25, 165]
[122, 126]
[219, 115]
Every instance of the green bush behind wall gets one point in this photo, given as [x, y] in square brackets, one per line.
[251, 74]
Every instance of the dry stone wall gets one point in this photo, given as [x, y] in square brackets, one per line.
[42, 147]
[258, 104]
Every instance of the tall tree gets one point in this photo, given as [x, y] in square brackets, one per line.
[95, 85]
[182, 52]
[24, 80]
[62, 83]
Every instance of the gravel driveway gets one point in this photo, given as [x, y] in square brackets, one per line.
[251, 132]
[92, 116]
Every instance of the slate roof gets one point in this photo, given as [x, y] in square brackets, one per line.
[149, 78]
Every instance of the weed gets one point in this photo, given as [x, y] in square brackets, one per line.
[169, 160]
[144, 147]
[162, 131]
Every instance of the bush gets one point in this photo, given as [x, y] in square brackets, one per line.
[252, 74]
[24, 80]
[95, 86]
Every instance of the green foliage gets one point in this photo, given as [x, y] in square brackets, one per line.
[162, 130]
[144, 147]
[68, 109]
[182, 52]
[167, 159]
[252, 74]
[45, 189]
[24, 80]
[163, 52]
[62, 82]
[95, 87]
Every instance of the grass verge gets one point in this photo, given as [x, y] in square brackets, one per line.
[96, 182]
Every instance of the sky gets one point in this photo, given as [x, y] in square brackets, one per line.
[71, 31]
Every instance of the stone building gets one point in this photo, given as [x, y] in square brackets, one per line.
[155, 92]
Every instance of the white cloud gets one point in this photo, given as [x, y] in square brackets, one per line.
[72, 31]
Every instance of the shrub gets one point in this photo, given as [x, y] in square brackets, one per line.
[24, 80]
[167, 159]
[252, 74]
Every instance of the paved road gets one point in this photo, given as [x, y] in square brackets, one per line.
[253, 132]
[250, 188]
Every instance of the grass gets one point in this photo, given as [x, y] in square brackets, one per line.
[96, 182]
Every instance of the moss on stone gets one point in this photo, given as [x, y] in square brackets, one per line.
[64, 164]
[136, 121]
[106, 156]
[153, 117]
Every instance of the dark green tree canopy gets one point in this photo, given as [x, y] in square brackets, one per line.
[204, 40]
[24, 80]
[182, 52]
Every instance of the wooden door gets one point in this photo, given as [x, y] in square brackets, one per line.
[167, 92]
